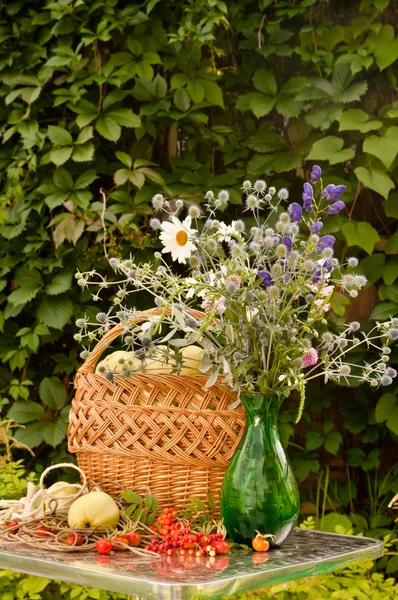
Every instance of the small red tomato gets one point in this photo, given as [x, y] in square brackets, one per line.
[221, 547]
[103, 546]
[119, 543]
[134, 538]
[74, 539]
[260, 543]
[11, 525]
[43, 531]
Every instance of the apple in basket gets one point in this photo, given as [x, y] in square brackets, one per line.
[61, 489]
[93, 509]
[154, 365]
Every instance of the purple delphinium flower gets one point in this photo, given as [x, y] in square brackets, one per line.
[333, 192]
[288, 242]
[296, 212]
[316, 275]
[316, 173]
[307, 196]
[336, 207]
[328, 266]
[326, 241]
[286, 278]
[266, 277]
[316, 227]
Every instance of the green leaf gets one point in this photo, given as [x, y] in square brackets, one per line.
[358, 120]
[84, 152]
[131, 497]
[314, 440]
[372, 266]
[384, 45]
[54, 433]
[264, 81]
[330, 148]
[55, 312]
[31, 435]
[108, 128]
[63, 179]
[82, 198]
[332, 520]
[124, 117]
[384, 311]
[391, 206]
[390, 271]
[121, 176]
[385, 148]
[125, 159]
[30, 282]
[22, 295]
[305, 466]
[59, 136]
[85, 118]
[60, 156]
[62, 282]
[159, 87]
[352, 93]
[387, 411]
[179, 80]
[181, 100]
[388, 292]
[213, 92]
[196, 90]
[375, 179]
[362, 234]
[55, 200]
[85, 135]
[323, 117]
[333, 442]
[288, 107]
[331, 36]
[392, 245]
[261, 105]
[134, 46]
[52, 393]
[28, 277]
[25, 412]
[198, 503]
[85, 179]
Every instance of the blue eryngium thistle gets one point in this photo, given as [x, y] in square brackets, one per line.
[264, 291]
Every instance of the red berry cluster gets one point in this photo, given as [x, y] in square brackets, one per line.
[183, 541]
[166, 521]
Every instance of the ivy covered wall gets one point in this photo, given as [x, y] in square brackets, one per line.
[178, 97]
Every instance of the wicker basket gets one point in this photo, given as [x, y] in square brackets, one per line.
[162, 432]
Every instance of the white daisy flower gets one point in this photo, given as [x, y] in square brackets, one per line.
[176, 237]
[225, 232]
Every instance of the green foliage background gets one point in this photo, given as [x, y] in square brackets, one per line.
[178, 97]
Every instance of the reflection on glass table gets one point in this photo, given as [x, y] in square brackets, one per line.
[305, 553]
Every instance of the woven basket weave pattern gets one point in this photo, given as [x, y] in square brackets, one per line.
[162, 432]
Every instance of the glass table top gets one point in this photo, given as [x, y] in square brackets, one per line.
[304, 553]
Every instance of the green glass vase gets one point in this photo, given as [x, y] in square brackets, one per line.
[259, 491]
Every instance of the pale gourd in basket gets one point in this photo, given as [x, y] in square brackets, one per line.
[154, 430]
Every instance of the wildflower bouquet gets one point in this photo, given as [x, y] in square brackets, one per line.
[264, 291]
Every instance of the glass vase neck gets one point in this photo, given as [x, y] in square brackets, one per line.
[257, 403]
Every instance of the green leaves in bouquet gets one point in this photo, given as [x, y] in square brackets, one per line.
[197, 511]
[143, 509]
